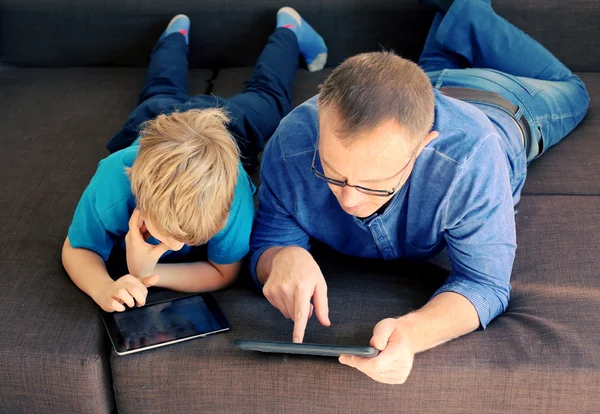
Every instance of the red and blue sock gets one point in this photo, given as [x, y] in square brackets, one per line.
[312, 45]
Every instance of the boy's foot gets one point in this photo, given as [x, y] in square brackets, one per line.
[312, 45]
[178, 24]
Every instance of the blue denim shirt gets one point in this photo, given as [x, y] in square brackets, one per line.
[461, 195]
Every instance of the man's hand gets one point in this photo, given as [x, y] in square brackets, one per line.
[142, 257]
[127, 290]
[294, 280]
[395, 360]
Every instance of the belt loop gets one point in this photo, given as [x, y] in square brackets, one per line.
[440, 78]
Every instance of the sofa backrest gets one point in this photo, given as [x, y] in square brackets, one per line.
[229, 33]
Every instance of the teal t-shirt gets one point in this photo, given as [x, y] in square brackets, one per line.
[101, 219]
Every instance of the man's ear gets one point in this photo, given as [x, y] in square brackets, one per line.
[430, 137]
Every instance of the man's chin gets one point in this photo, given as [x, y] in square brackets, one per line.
[360, 213]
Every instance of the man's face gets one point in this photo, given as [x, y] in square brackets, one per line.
[373, 159]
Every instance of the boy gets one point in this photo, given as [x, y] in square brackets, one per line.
[180, 187]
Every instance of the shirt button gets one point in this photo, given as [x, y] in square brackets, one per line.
[381, 238]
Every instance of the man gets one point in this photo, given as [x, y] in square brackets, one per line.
[403, 170]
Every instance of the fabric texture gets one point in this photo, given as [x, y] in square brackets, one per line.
[79, 34]
[535, 357]
[53, 351]
[541, 355]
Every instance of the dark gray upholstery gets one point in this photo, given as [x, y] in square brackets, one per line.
[118, 32]
[542, 355]
[54, 125]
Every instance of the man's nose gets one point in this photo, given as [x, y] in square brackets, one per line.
[351, 197]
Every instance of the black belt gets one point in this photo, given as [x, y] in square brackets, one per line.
[476, 95]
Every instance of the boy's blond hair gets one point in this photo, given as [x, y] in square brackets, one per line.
[185, 174]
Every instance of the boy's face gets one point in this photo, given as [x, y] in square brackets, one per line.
[147, 230]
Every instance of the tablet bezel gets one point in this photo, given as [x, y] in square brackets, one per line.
[325, 350]
[118, 341]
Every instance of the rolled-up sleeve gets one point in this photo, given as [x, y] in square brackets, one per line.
[480, 232]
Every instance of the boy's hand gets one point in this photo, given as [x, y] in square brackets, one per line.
[141, 256]
[127, 290]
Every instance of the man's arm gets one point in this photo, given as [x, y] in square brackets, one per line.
[480, 233]
[279, 245]
[265, 264]
[447, 316]
[275, 226]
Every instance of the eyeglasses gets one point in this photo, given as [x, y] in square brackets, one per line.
[364, 190]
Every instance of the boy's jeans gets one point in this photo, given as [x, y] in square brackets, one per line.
[255, 113]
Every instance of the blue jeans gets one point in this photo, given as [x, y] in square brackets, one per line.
[255, 113]
[472, 47]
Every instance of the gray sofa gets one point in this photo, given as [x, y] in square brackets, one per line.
[70, 74]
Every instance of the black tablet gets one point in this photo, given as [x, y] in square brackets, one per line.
[305, 349]
[164, 323]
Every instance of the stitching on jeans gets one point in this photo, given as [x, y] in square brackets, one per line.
[556, 118]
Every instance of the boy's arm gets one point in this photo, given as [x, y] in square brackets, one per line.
[88, 271]
[198, 276]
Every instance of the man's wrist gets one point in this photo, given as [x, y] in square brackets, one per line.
[265, 263]
[407, 325]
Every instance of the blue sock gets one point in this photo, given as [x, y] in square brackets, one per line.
[312, 45]
[179, 23]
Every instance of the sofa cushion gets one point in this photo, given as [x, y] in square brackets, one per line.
[225, 34]
[54, 125]
[542, 355]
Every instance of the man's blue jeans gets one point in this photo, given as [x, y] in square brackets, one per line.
[255, 113]
[472, 47]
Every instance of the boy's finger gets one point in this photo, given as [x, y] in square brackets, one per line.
[115, 305]
[134, 219]
[150, 280]
[126, 297]
[138, 294]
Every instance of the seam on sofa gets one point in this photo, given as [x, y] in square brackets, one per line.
[17, 353]
[211, 82]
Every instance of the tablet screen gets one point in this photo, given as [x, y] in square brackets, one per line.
[167, 321]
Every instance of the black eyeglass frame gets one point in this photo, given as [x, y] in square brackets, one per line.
[364, 190]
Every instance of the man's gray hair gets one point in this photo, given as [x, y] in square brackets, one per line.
[371, 88]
